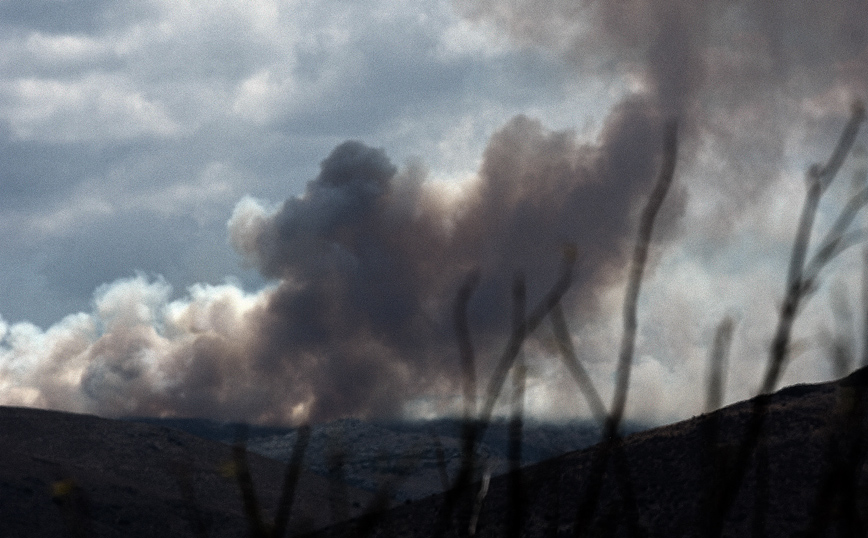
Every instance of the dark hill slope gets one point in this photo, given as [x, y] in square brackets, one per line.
[812, 432]
[123, 479]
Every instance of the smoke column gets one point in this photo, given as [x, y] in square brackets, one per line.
[366, 264]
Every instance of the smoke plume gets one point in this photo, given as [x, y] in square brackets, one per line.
[365, 266]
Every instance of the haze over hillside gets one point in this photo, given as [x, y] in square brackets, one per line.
[280, 212]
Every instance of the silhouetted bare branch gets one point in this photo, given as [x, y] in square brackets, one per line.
[611, 438]
[290, 481]
[717, 363]
[516, 492]
[570, 359]
[637, 268]
[818, 178]
[245, 484]
[519, 334]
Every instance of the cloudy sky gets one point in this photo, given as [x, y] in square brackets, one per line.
[263, 209]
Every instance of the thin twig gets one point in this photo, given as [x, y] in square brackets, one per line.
[864, 360]
[819, 179]
[336, 460]
[717, 364]
[290, 481]
[845, 144]
[245, 484]
[570, 359]
[712, 463]
[474, 428]
[441, 459]
[611, 439]
[469, 423]
[516, 492]
[465, 345]
[520, 333]
[598, 409]
[637, 268]
[837, 240]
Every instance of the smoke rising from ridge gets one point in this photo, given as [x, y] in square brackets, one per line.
[365, 264]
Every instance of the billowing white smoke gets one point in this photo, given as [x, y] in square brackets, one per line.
[130, 353]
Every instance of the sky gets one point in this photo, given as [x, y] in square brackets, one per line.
[263, 210]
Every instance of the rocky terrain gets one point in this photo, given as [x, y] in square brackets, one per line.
[79, 475]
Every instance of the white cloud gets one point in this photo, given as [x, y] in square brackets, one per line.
[121, 353]
[94, 108]
[60, 50]
[259, 96]
[246, 225]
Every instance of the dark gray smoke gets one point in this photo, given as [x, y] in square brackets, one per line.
[368, 263]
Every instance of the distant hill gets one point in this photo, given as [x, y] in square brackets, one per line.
[401, 454]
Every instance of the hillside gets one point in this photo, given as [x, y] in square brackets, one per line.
[109, 478]
[62, 472]
[812, 440]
